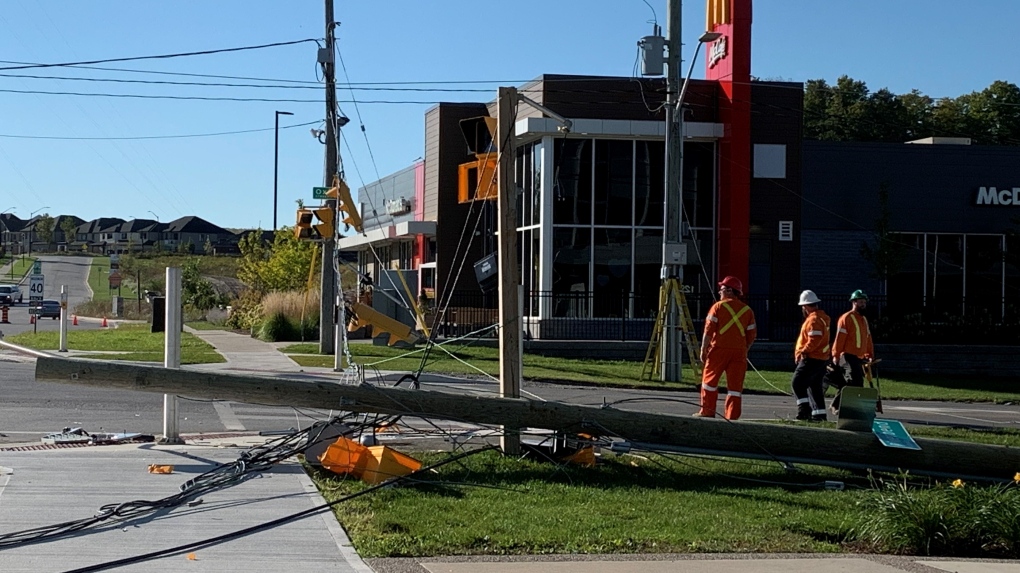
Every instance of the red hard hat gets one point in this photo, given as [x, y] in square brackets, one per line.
[734, 283]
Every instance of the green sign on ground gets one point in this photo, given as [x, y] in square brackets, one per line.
[319, 193]
[892, 434]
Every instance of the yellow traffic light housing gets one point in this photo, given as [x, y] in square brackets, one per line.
[325, 228]
[479, 133]
[303, 230]
[477, 179]
[378, 323]
[342, 193]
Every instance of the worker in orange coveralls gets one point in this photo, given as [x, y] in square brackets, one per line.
[729, 332]
[811, 354]
[853, 346]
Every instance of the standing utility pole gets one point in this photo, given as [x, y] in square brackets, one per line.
[276, 162]
[509, 310]
[328, 287]
[670, 358]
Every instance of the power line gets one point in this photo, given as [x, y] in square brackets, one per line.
[140, 137]
[161, 56]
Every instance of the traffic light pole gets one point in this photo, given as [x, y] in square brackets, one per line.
[328, 286]
[672, 336]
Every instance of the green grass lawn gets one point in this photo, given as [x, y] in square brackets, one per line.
[628, 373]
[204, 325]
[127, 342]
[489, 504]
[99, 282]
[642, 502]
[22, 265]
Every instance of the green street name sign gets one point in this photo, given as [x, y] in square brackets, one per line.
[319, 192]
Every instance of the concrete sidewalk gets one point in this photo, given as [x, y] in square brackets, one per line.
[44, 486]
[244, 353]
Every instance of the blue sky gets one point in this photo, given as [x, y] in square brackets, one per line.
[941, 47]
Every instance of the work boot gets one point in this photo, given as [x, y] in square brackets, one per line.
[819, 418]
[702, 415]
[803, 412]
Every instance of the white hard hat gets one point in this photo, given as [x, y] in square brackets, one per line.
[809, 297]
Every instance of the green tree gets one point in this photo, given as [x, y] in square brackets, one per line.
[994, 113]
[884, 118]
[44, 227]
[195, 290]
[949, 117]
[848, 110]
[919, 110]
[282, 265]
[68, 227]
[817, 124]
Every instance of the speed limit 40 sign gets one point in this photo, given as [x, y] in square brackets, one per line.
[35, 288]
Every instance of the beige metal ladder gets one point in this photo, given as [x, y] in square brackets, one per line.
[671, 288]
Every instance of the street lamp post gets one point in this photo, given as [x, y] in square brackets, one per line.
[670, 353]
[6, 232]
[31, 231]
[154, 215]
[276, 161]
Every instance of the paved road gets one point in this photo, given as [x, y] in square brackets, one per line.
[30, 409]
[68, 271]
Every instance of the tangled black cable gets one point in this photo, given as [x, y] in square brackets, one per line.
[271, 524]
[249, 464]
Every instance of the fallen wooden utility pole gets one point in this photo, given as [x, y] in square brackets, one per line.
[835, 448]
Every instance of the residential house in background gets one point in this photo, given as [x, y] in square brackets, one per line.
[112, 235]
[193, 233]
[27, 238]
[10, 225]
[94, 235]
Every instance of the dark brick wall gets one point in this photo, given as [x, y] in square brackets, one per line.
[831, 261]
[776, 118]
[931, 187]
[445, 150]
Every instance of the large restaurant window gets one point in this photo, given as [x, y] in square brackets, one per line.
[571, 259]
[607, 223]
[572, 182]
[943, 275]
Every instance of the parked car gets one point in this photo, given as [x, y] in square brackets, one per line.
[48, 309]
[11, 294]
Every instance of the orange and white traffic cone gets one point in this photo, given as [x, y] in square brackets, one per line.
[104, 323]
[74, 320]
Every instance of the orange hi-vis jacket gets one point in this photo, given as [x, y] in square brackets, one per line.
[730, 324]
[853, 336]
[813, 341]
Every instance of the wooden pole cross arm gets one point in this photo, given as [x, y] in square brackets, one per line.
[797, 444]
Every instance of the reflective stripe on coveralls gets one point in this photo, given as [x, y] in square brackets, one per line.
[735, 319]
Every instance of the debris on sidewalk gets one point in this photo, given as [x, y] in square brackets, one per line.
[161, 469]
[71, 435]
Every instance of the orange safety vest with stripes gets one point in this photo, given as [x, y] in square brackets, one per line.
[730, 324]
[813, 341]
[853, 336]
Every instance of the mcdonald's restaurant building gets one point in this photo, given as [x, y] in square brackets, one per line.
[759, 202]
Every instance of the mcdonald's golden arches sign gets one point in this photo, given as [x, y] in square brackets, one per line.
[717, 13]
